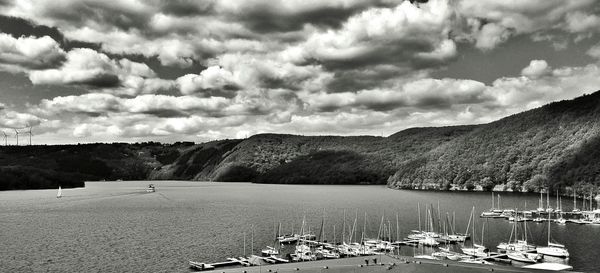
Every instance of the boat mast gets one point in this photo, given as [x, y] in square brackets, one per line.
[397, 228]
[473, 227]
[492, 200]
[574, 200]
[419, 213]
[344, 229]
[334, 235]
[548, 229]
[499, 207]
[469, 223]
[548, 197]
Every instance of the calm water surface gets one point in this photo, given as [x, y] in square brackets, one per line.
[118, 227]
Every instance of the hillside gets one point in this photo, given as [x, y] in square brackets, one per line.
[554, 145]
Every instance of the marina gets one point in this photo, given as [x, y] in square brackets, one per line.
[437, 235]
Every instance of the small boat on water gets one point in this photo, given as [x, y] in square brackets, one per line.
[151, 188]
[59, 193]
[269, 251]
[523, 257]
[554, 249]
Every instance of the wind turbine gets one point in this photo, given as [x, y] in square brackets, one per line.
[5, 138]
[29, 132]
[17, 133]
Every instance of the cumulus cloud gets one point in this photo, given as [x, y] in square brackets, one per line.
[211, 79]
[84, 66]
[25, 53]
[536, 68]
[423, 93]
[402, 35]
[17, 120]
[579, 21]
[594, 51]
[487, 18]
[306, 66]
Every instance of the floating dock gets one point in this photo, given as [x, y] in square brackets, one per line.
[387, 263]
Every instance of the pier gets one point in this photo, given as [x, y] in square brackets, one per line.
[385, 263]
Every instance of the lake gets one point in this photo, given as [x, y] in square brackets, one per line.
[118, 227]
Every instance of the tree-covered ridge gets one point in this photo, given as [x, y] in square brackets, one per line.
[551, 146]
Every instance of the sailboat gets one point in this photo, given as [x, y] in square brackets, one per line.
[59, 193]
[516, 244]
[476, 250]
[553, 249]
[519, 250]
[492, 212]
[269, 250]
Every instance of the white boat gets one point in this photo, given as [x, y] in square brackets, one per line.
[522, 256]
[268, 251]
[519, 245]
[428, 241]
[288, 239]
[303, 253]
[476, 251]
[428, 257]
[326, 253]
[553, 249]
[151, 188]
[475, 261]
[59, 193]
[516, 244]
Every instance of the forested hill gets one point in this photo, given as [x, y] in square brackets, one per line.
[557, 145]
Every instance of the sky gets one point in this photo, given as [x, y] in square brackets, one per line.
[80, 71]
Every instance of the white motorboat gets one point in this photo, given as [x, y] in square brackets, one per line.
[151, 188]
[59, 193]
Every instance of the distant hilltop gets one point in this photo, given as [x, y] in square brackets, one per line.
[555, 146]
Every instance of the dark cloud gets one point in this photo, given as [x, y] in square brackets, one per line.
[166, 113]
[263, 19]
[186, 7]
[104, 13]
[18, 27]
[103, 80]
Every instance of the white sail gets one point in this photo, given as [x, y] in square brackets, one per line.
[59, 193]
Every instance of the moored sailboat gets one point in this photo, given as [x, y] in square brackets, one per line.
[553, 249]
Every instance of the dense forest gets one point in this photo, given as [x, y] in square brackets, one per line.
[556, 146]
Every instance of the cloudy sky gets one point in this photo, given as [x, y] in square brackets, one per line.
[171, 70]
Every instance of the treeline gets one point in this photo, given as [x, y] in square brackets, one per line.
[48, 166]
